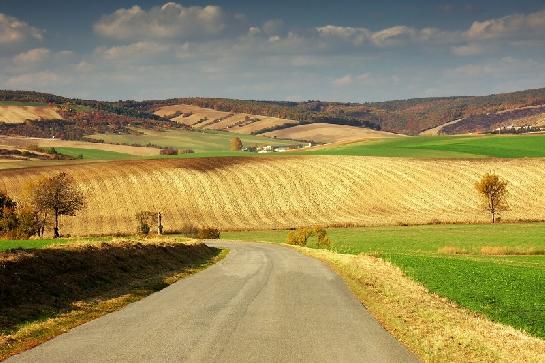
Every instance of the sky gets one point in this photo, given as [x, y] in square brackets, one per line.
[349, 51]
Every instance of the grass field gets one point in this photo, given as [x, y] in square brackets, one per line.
[199, 141]
[508, 289]
[500, 146]
[94, 154]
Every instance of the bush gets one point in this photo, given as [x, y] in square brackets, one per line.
[144, 220]
[300, 236]
[208, 233]
[169, 151]
[192, 231]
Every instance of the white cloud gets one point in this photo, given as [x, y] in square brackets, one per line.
[134, 50]
[469, 49]
[356, 36]
[33, 80]
[15, 31]
[517, 26]
[170, 21]
[350, 79]
[32, 56]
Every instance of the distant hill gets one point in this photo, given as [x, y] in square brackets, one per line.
[476, 114]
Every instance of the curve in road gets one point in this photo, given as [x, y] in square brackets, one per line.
[262, 303]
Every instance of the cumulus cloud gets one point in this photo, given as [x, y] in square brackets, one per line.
[517, 26]
[170, 21]
[15, 31]
[138, 50]
[32, 56]
[34, 79]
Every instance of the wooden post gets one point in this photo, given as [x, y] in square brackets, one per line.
[159, 224]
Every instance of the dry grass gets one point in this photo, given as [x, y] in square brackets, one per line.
[293, 191]
[48, 291]
[504, 251]
[19, 114]
[328, 133]
[493, 251]
[434, 328]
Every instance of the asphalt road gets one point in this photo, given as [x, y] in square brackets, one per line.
[262, 303]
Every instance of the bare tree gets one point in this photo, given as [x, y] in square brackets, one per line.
[235, 144]
[59, 194]
[493, 192]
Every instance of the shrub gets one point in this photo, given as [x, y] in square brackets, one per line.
[300, 236]
[144, 220]
[169, 151]
[208, 233]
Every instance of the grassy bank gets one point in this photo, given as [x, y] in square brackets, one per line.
[454, 261]
[48, 291]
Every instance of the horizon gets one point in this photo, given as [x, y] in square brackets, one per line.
[349, 51]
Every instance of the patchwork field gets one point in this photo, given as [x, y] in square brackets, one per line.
[15, 112]
[283, 192]
[499, 146]
[205, 118]
[23, 142]
[199, 141]
[327, 133]
[496, 270]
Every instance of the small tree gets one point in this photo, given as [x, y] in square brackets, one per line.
[493, 192]
[235, 144]
[59, 194]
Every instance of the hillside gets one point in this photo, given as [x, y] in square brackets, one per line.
[410, 117]
[19, 113]
[328, 133]
[205, 118]
[477, 114]
[283, 192]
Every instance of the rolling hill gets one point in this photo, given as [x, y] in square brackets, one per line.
[285, 192]
[13, 112]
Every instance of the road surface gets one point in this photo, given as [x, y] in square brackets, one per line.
[262, 303]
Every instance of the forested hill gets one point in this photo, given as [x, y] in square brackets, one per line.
[412, 116]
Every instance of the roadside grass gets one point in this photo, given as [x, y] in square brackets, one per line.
[208, 141]
[433, 327]
[500, 146]
[449, 261]
[45, 242]
[63, 286]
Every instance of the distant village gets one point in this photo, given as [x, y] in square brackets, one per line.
[517, 129]
[275, 148]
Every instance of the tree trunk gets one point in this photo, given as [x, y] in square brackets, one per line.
[56, 228]
[493, 217]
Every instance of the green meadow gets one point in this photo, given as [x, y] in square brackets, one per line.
[452, 261]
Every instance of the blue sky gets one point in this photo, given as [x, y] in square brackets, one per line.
[282, 50]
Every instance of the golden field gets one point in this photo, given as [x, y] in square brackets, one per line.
[19, 114]
[282, 192]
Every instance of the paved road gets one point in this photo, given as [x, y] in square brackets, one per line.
[262, 303]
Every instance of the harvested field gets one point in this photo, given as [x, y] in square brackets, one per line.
[19, 114]
[22, 142]
[327, 133]
[205, 118]
[283, 192]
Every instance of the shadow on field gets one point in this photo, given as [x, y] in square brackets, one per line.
[36, 284]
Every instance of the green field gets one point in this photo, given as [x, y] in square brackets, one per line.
[507, 289]
[94, 154]
[500, 146]
[198, 141]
